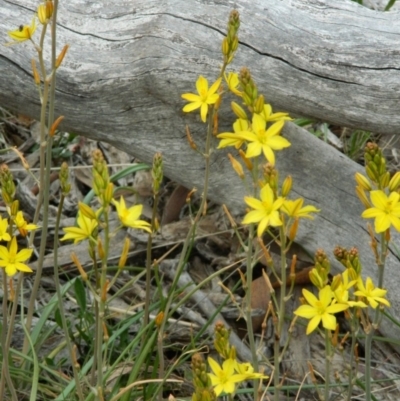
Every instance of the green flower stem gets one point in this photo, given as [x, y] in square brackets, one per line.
[149, 264]
[328, 360]
[193, 227]
[148, 296]
[45, 166]
[280, 314]
[375, 321]
[5, 371]
[61, 302]
[249, 320]
[354, 332]
[101, 350]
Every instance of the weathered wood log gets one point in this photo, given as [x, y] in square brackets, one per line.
[129, 62]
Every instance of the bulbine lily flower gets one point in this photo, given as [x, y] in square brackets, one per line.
[320, 309]
[24, 32]
[12, 260]
[204, 98]
[386, 210]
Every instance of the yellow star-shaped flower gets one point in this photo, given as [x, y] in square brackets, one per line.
[23, 225]
[204, 98]
[295, 209]
[12, 260]
[85, 229]
[266, 210]
[320, 309]
[374, 296]
[386, 210]
[264, 140]
[269, 116]
[233, 138]
[224, 379]
[130, 217]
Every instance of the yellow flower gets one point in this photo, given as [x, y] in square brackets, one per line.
[22, 224]
[269, 116]
[295, 209]
[373, 295]
[45, 11]
[24, 32]
[341, 295]
[264, 140]
[232, 80]
[266, 210]
[386, 210]
[84, 230]
[12, 260]
[224, 379]
[246, 369]
[204, 98]
[233, 139]
[130, 217]
[320, 309]
[4, 235]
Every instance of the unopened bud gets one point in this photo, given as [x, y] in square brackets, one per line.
[363, 181]
[394, 182]
[236, 166]
[61, 56]
[124, 253]
[36, 76]
[87, 211]
[246, 160]
[238, 110]
[287, 186]
[55, 125]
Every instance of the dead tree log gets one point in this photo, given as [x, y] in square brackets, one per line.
[129, 62]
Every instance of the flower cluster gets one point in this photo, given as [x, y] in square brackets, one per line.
[347, 292]
[224, 377]
[384, 202]
[12, 259]
[88, 220]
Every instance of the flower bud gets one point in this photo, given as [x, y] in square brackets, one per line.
[238, 110]
[236, 166]
[87, 211]
[61, 56]
[363, 182]
[394, 182]
[287, 186]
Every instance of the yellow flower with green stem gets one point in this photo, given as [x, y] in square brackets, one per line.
[24, 32]
[203, 99]
[374, 296]
[130, 217]
[386, 210]
[223, 378]
[4, 235]
[266, 210]
[320, 309]
[264, 140]
[12, 260]
[85, 229]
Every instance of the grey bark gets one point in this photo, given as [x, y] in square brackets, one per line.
[129, 62]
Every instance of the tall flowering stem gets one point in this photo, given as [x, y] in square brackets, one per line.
[384, 207]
